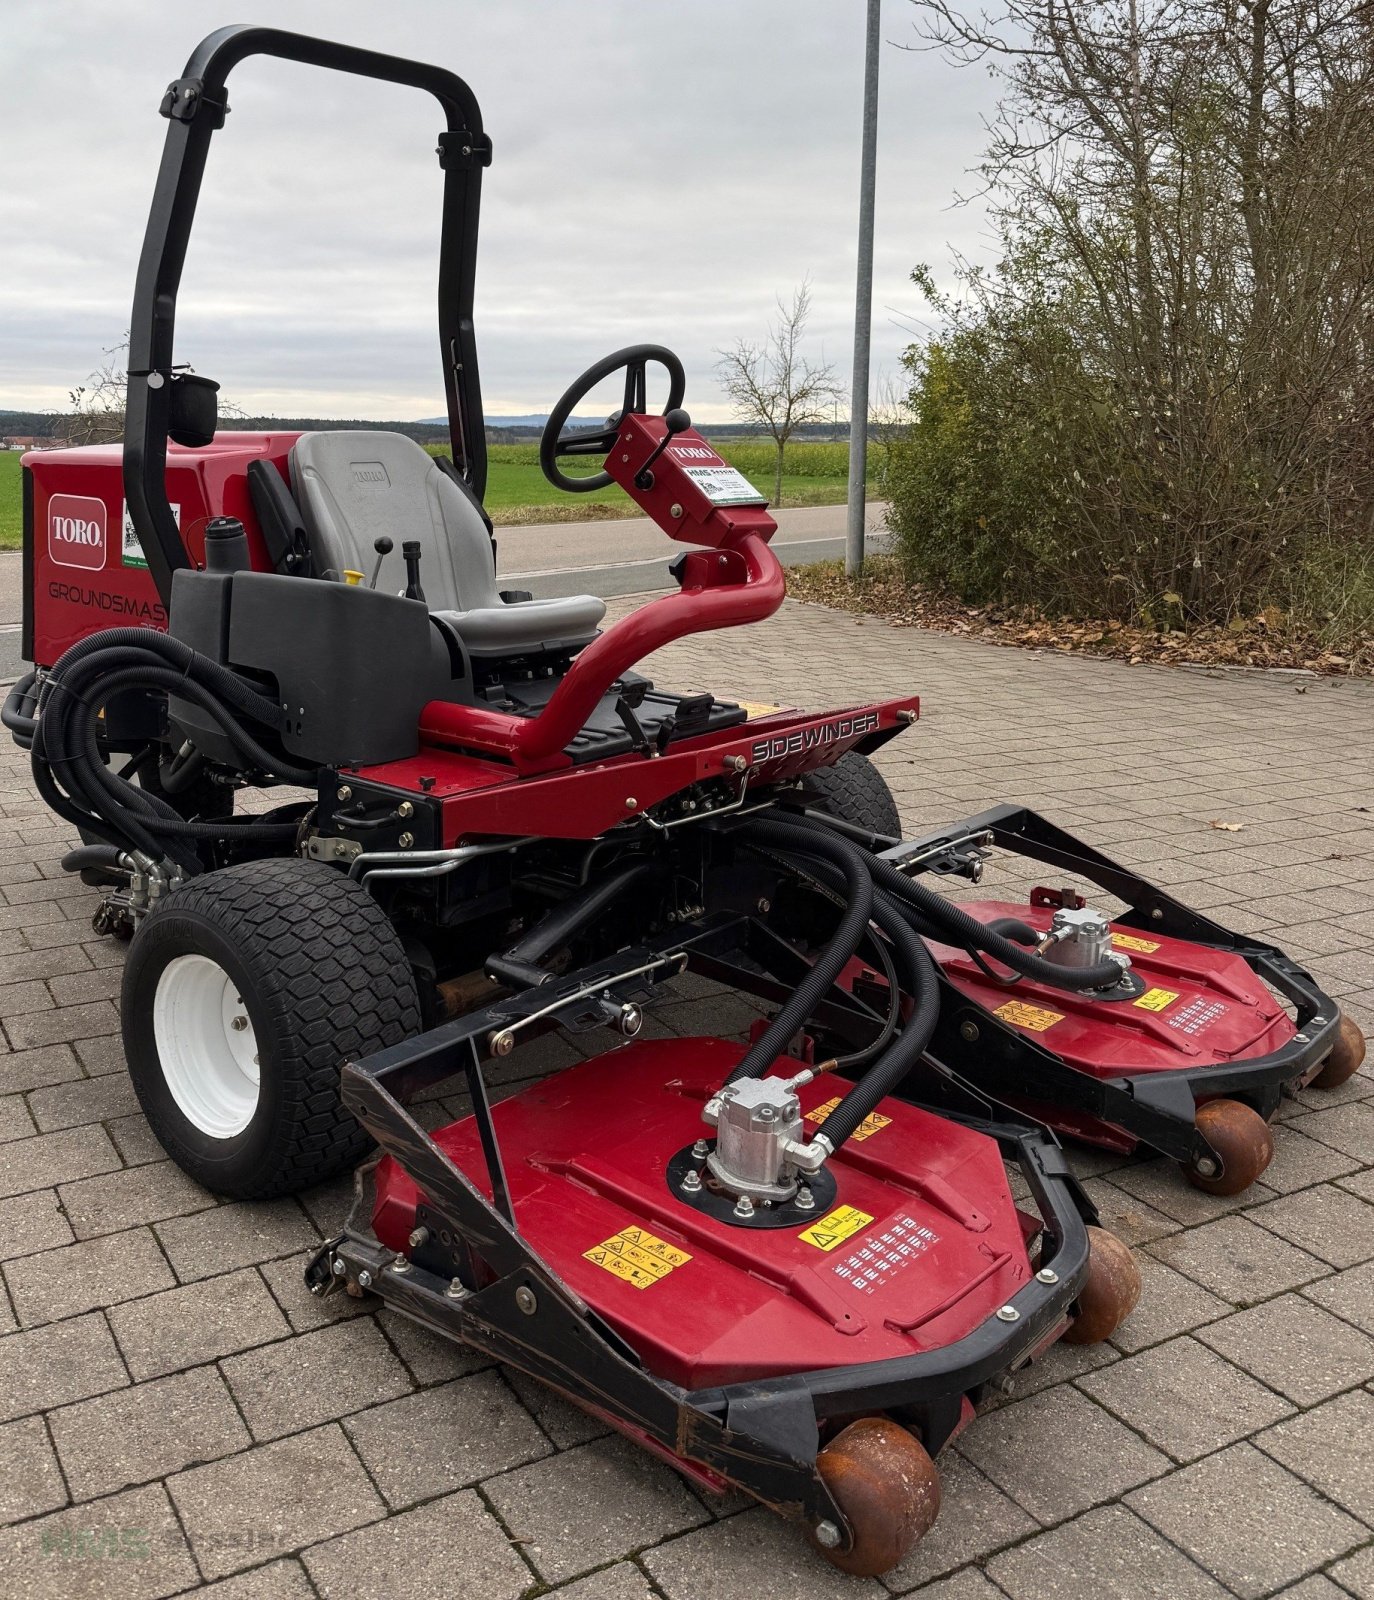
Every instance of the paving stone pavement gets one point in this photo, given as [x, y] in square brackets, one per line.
[177, 1412]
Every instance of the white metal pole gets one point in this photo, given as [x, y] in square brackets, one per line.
[863, 304]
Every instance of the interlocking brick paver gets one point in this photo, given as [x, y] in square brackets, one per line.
[1247, 1520]
[299, 1382]
[146, 1432]
[128, 1545]
[202, 1322]
[457, 1537]
[30, 1481]
[579, 1509]
[1107, 1554]
[1294, 1251]
[80, 1277]
[1105, 1460]
[279, 1497]
[50, 1366]
[445, 1438]
[1295, 1347]
[1185, 1399]
[1238, 1260]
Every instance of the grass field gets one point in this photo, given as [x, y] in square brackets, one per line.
[518, 492]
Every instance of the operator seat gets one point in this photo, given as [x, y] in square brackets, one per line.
[354, 485]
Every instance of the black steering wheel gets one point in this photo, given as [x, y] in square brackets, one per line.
[554, 442]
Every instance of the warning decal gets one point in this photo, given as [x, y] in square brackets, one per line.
[1156, 999]
[1035, 1018]
[1128, 941]
[836, 1228]
[882, 1254]
[870, 1125]
[757, 708]
[636, 1257]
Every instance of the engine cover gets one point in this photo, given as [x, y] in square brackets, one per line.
[921, 1244]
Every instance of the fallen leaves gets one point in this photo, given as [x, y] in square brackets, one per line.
[1226, 827]
[1270, 640]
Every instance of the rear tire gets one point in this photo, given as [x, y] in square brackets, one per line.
[855, 791]
[281, 968]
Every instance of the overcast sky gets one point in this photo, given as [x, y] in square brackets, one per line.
[663, 169]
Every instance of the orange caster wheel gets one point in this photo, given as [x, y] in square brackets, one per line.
[887, 1487]
[1110, 1293]
[1242, 1144]
[1344, 1061]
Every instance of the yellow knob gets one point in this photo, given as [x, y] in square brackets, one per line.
[352, 577]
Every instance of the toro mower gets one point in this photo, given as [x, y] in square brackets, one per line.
[793, 1265]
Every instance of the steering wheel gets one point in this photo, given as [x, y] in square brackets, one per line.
[554, 442]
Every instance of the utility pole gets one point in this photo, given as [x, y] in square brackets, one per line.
[863, 305]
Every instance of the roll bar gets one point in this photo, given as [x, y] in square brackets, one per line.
[195, 105]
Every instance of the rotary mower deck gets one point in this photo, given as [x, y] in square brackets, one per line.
[793, 1265]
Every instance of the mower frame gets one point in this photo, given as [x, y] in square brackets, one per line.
[763, 1435]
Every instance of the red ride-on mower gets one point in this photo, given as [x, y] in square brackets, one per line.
[793, 1266]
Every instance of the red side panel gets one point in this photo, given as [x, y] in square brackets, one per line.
[921, 1244]
[88, 570]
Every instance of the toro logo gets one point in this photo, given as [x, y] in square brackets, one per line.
[77, 531]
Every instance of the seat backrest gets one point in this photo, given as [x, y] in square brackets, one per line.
[354, 485]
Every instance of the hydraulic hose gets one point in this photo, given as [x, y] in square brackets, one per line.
[830, 963]
[73, 778]
[957, 927]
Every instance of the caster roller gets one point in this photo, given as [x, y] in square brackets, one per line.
[1344, 1061]
[887, 1487]
[1242, 1147]
[1110, 1294]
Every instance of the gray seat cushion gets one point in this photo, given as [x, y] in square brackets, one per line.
[355, 485]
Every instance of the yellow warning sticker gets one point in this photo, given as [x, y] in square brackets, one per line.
[757, 708]
[870, 1125]
[1128, 941]
[1156, 999]
[636, 1257]
[1034, 1018]
[836, 1228]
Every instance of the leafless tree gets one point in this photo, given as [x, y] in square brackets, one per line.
[772, 385]
[97, 406]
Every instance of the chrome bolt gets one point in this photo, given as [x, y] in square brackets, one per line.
[968, 1031]
[340, 847]
[701, 1149]
[744, 1206]
[806, 1201]
[907, 716]
[1157, 915]
[765, 906]
[338, 1267]
[631, 1020]
[501, 1044]
[364, 1279]
[405, 809]
[1318, 1022]
[345, 793]
[828, 1535]
[525, 1299]
[239, 1024]
[675, 510]
[631, 804]
[1047, 1275]
[456, 1290]
[735, 763]
[406, 840]
[1299, 1038]
[1207, 1166]
[418, 1237]
[400, 1264]
[691, 1183]
[1008, 1314]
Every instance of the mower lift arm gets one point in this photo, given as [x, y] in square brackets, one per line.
[195, 106]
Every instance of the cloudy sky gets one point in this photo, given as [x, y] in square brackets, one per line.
[663, 169]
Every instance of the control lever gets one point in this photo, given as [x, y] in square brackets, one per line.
[383, 547]
[410, 550]
[677, 422]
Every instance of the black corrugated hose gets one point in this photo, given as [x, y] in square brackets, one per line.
[74, 780]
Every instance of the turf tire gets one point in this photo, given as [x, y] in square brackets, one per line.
[855, 791]
[324, 979]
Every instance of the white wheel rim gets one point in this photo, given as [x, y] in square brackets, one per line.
[206, 1046]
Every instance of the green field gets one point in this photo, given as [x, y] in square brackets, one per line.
[517, 490]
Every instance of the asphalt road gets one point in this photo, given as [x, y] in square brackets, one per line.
[561, 558]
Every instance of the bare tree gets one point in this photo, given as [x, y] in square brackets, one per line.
[97, 406]
[773, 385]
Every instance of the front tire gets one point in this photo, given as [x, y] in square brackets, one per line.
[244, 993]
